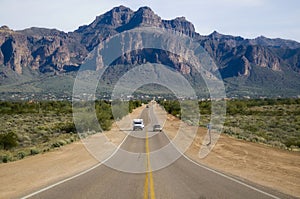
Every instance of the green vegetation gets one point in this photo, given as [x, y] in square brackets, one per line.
[172, 107]
[274, 122]
[30, 128]
[8, 140]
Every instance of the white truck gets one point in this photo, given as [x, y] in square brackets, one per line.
[138, 124]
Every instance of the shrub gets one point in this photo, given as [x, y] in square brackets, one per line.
[292, 142]
[55, 145]
[68, 128]
[8, 140]
[21, 155]
[62, 142]
[6, 158]
[34, 151]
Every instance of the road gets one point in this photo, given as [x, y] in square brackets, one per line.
[181, 179]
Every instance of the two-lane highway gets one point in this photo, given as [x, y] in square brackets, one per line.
[181, 179]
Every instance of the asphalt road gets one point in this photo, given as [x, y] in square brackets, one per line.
[181, 179]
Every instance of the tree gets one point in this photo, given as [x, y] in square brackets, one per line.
[8, 140]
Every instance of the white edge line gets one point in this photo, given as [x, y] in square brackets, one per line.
[77, 175]
[222, 174]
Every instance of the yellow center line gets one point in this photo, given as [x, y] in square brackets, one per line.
[146, 187]
[149, 176]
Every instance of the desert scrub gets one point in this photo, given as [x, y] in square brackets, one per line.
[30, 128]
[275, 122]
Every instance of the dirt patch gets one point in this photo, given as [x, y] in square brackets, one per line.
[22, 177]
[264, 165]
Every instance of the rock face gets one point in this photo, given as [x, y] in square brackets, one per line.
[50, 50]
[236, 55]
[40, 49]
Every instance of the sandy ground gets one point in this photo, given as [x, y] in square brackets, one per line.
[264, 165]
[24, 176]
[260, 164]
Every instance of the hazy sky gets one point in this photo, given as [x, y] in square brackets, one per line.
[246, 18]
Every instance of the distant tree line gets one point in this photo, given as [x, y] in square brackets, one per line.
[233, 107]
[22, 107]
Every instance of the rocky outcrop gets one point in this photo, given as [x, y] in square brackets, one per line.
[180, 24]
[15, 52]
[235, 55]
[262, 57]
[40, 49]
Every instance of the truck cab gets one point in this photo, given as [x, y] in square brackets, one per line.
[138, 124]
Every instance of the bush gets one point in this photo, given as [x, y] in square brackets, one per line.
[55, 145]
[21, 155]
[292, 142]
[34, 151]
[67, 128]
[6, 158]
[8, 140]
[62, 142]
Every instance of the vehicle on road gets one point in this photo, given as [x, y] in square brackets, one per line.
[138, 124]
[157, 127]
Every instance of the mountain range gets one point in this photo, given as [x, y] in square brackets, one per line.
[40, 60]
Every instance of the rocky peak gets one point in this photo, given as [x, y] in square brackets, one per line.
[144, 16]
[122, 18]
[120, 9]
[215, 34]
[180, 24]
[5, 30]
[116, 17]
[42, 32]
[218, 36]
[229, 41]
[277, 43]
[146, 12]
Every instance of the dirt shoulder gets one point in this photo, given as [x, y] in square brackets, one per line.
[264, 165]
[24, 176]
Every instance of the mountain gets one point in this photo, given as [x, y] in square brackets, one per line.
[249, 67]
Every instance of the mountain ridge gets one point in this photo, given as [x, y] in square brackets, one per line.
[54, 51]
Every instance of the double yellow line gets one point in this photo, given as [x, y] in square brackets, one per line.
[149, 175]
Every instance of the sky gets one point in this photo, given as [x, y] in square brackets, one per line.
[246, 18]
